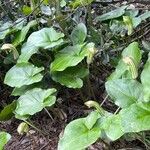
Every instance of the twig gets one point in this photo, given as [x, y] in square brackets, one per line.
[144, 34]
[49, 114]
[147, 24]
[104, 100]
[117, 111]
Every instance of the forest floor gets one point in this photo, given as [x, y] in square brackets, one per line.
[51, 128]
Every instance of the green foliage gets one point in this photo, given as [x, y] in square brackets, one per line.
[113, 14]
[76, 3]
[80, 133]
[46, 38]
[128, 94]
[124, 91]
[122, 69]
[112, 126]
[34, 101]
[79, 34]
[123, 19]
[7, 111]
[28, 49]
[46, 55]
[21, 35]
[71, 77]
[23, 74]
[4, 138]
[7, 29]
[68, 57]
[136, 118]
[145, 81]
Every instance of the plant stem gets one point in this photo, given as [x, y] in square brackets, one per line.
[57, 5]
[91, 91]
[34, 127]
[49, 114]
[117, 111]
[104, 100]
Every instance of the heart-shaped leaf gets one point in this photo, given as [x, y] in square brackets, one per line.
[113, 14]
[112, 126]
[5, 30]
[4, 138]
[34, 101]
[79, 34]
[22, 90]
[91, 119]
[28, 49]
[23, 74]
[71, 77]
[68, 57]
[46, 38]
[21, 35]
[124, 92]
[136, 118]
[77, 136]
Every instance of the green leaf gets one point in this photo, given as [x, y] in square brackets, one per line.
[22, 90]
[7, 112]
[63, 3]
[9, 27]
[71, 77]
[113, 14]
[5, 30]
[132, 12]
[77, 136]
[122, 69]
[21, 35]
[26, 10]
[145, 16]
[34, 101]
[137, 20]
[20, 22]
[136, 118]
[23, 74]
[117, 27]
[76, 3]
[4, 138]
[112, 126]
[46, 38]
[91, 119]
[28, 49]
[46, 2]
[145, 79]
[68, 57]
[79, 34]
[124, 92]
